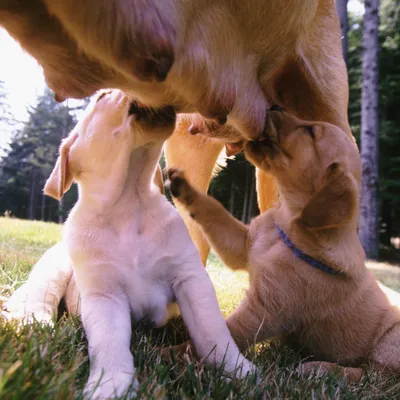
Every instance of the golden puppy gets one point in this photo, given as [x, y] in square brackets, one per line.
[126, 251]
[227, 59]
[308, 281]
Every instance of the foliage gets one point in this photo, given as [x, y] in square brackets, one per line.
[389, 104]
[30, 159]
[39, 362]
[234, 187]
[34, 147]
[5, 115]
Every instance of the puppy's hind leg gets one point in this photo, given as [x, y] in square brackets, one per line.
[386, 354]
[253, 321]
[207, 327]
[322, 368]
[47, 284]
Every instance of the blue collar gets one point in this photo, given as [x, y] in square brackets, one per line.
[305, 257]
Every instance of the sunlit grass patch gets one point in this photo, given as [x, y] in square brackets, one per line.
[43, 362]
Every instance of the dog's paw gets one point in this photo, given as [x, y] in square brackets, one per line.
[14, 309]
[320, 369]
[109, 386]
[179, 186]
[244, 369]
[180, 352]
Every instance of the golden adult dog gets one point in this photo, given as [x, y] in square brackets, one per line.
[308, 281]
[126, 251]
[225, 59]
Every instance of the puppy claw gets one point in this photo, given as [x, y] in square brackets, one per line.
[179, 187]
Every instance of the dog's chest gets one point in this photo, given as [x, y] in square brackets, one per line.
[148, 288]
[135, 259]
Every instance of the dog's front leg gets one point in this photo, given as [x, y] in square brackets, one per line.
[207, 327]
[107, 323]
[228, 236]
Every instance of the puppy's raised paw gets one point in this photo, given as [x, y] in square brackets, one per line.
[179, 186]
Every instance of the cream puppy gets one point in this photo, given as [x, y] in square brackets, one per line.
[130, 250]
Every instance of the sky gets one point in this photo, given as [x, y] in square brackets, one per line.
[23, 77]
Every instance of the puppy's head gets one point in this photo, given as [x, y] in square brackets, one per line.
[112, 128]
[317, 167]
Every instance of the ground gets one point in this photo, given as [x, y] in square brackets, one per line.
[51, 363]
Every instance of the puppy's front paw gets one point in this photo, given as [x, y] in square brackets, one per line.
[109, 386]
[179, 186]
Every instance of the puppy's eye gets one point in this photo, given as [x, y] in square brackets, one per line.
[310, 130]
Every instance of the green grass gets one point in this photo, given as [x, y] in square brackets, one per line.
[40, 362]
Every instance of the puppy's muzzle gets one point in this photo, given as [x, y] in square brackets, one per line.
[155, 117]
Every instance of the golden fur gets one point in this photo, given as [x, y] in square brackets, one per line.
[223, 59]
[345, 318]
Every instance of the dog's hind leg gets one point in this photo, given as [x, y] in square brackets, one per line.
[47, 284]
[322, 368]
[386, 354]
[251, 323]
[197, 155]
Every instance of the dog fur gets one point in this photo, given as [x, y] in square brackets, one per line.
[224, 59]
[344, 318]
[126, 251]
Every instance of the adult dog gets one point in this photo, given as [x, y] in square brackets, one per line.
[225, 59]
[308, 280]
[130, 250]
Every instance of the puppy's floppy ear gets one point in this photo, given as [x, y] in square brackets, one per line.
[61, 177]
[335, 202]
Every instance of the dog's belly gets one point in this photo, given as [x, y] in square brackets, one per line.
[154, 302]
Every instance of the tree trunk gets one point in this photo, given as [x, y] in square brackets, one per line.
[232, 196]
[43, 207]
[60, 212]
[368, 230]
[32, 197]
[250, 212]
[341, 8]
[246, 194]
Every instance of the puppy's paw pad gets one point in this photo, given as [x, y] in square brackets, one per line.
[177, 183]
